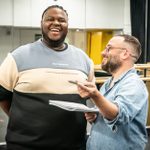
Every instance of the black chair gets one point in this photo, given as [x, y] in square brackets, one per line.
[2, 147]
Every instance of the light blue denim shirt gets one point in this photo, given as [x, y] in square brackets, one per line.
[128, 130]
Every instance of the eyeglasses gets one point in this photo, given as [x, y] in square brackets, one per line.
[109, 48]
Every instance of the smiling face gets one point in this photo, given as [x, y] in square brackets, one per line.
[112, 55]
[54, 26]
[111, 63]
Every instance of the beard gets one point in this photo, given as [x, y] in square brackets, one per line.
[112, 64]
[54, 43]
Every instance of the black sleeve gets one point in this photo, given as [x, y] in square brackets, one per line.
[5, 94]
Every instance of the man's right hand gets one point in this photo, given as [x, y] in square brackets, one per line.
[90, 116]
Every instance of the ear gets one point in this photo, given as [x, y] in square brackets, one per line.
[124, 55]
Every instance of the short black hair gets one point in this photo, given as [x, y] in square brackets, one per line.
[54, 6]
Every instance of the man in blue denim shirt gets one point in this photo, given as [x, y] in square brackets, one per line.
[122, 100]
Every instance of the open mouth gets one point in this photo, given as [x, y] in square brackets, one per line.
[55, 30]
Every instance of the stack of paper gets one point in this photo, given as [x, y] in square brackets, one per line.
[71, 106]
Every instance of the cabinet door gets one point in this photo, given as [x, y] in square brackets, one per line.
[105, 14]
[74, 8]
[6, 13]
[37, 8]
[22, 13]
[76, 12]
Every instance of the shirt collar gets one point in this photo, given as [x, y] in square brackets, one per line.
[131, 70]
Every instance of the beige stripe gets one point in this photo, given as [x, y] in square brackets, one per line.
[8, 73]
[49, 81]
